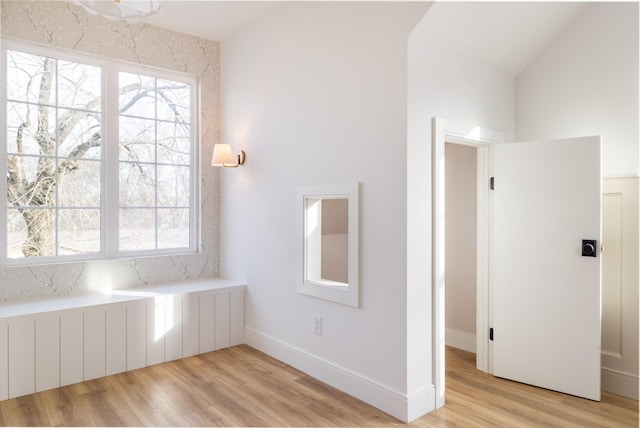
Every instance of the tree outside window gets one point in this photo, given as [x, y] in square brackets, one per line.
[57, 162]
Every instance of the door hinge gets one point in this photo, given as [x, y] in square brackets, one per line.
[492, 183]
[491, 333]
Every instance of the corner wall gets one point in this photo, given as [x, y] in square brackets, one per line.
[316, 93]
[453, 87]
[586, 83]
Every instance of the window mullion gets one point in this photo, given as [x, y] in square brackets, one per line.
[155, 168]
[56, 165]
[3, 156]
[110, 167]
[194, 198]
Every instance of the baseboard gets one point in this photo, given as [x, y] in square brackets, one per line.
[620, 383]
[460, 339]
[403, 407]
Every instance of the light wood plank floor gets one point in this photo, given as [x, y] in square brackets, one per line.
[243, 387]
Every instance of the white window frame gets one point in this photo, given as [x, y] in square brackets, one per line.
[308, 264]
[109, 207]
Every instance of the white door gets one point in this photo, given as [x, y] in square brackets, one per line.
[546, 294]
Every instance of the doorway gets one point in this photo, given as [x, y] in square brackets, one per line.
[568, 269]
[461, 250]
[482, 140]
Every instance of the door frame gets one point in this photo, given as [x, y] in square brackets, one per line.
[444, 131]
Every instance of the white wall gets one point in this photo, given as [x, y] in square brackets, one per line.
[586, 83]
[460, 245]
[446, 85]
[316, 93]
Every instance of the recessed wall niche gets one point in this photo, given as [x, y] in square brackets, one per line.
[327, 231]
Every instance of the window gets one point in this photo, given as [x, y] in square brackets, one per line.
[100, 159]
[154, 162]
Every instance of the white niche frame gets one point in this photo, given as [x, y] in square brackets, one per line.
[345, 293]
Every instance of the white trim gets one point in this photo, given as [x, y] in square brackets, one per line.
[484, 232]
[110, 153]
[3, 150]
[418, 404]
[447, 131]
[460, 339]
[307, 282]
[619, 383]
[404, 407]
[53, 52]
[621, 176]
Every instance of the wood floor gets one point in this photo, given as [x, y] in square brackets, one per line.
[242, 387]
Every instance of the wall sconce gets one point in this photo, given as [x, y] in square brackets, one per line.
[222, 156]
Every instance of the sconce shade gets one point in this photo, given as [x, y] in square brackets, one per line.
[223, 156]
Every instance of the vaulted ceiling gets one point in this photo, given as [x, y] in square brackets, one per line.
[507, 35]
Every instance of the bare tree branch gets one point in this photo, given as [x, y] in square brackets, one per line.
[72, 164]
[141, 93]
[36, 189]
[43, 136]
[172, 106]
[70, 118]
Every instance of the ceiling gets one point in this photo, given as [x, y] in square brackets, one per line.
[213, 20]
[507, 35]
